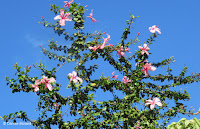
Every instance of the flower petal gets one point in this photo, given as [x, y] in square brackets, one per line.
[57, 17]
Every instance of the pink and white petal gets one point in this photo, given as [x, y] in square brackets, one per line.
[113, 73]
[147, 52]
[62, 12]
[49, 86]
[159, 104]
[152, 106]
[147, 103]
[33, 86]
[70, 74]
[36, 89]
[140, 47]
[146, 73]
[152, 68]
[52, 80]
[71, 1]
[156, 100]
[145, 45]
[75, 80]
[37, 82]
[108, 37]
[90, 47]
[44, 77]
[74, 73]
[57, 17]
[62, 22]
[93, 20]
[78, 78]
[142, 52]
[91, 14]
[66, 15]
[68, 18]
[158, 30]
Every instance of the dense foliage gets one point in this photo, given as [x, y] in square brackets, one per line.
[145, 101]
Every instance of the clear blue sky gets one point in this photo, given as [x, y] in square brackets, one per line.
[21, 36]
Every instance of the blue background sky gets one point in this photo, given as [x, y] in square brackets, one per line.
[21, 36]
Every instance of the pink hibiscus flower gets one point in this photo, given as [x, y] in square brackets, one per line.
[93, 48]
[74, 77]
[48, 82]
[120, 51]
[104, 42]
[37, 82]
[110, 45]
[154, 28]
[137, 126]
[147, 67]
[114, 76]
[91, 17]
[144, 49]
[126, 79]
[63, 17]
[156, 101]
[67, 4]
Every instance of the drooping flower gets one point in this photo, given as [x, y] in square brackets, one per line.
[91, 17]
[126, 79]
[93, 48]
[137, 126]
[74, 77]
[154, 28]
[155, 101]
[144, 49]
[67, 4]
[127, 50]
[48, 82]
[147, 67]
[63, 17]
[110, 45]
[37, 82]
[104, 42]
[114, 76]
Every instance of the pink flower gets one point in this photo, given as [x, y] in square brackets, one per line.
[37, 82]
[94, 48]
[110, 45]
[91, 14]
[147, 67]
[126, 79]
[104, 42]
[103, 32]
[127, 50]
[154, 28]
[137, 126]
[63, 17]
[56, 105]
[86, 6]
[114, 76]
[68, 3]
[144, 49]
[47, 81]
[74, 77]
[120, 51]
[156, 101]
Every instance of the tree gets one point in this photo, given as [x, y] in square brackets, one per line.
[136, 110]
